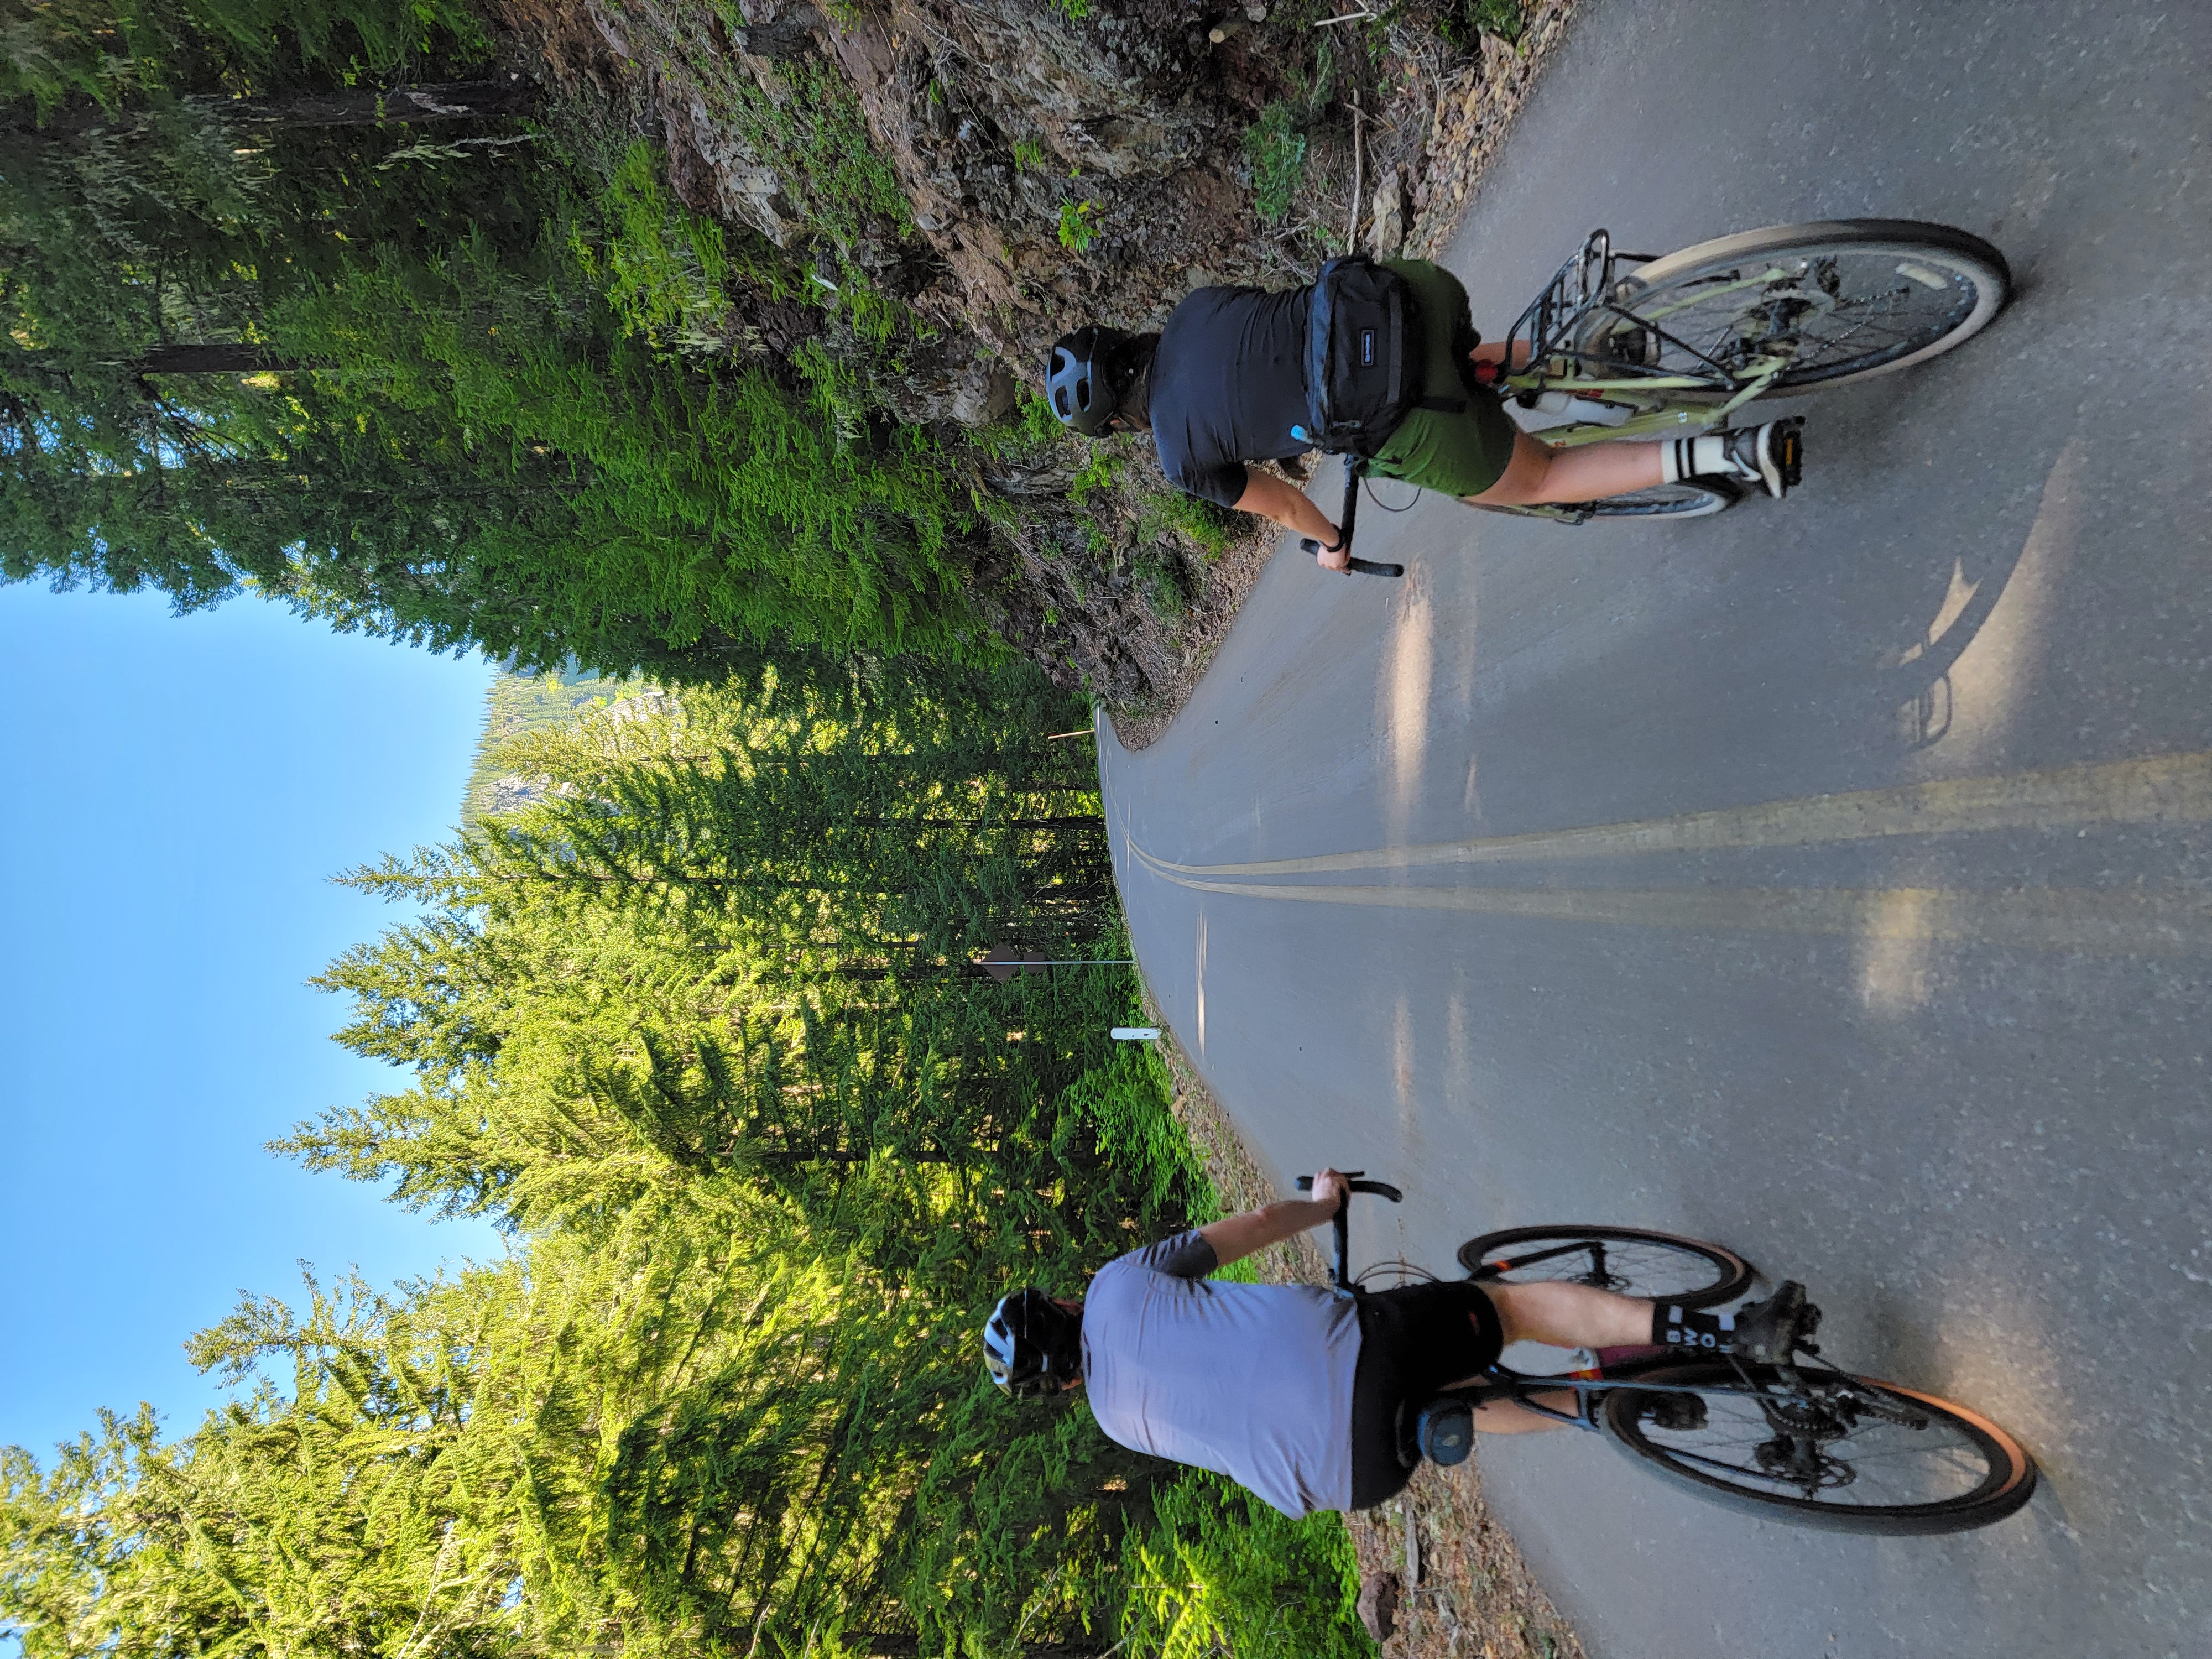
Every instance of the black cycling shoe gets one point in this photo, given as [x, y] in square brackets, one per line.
[1767, 1332]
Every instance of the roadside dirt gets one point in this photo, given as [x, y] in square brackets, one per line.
[1462, 1590]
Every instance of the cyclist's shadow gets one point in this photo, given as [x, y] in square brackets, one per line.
[1918, 683]
[1917, 680]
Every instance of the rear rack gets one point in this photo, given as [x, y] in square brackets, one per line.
[1543, 336]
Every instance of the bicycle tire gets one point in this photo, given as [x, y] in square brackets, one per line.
[1718, 1274]
[2003, 1483]
[1957, 281]
[1690, 498]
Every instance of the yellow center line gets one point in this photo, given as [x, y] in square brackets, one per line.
[2156, 789]
[2129, 922]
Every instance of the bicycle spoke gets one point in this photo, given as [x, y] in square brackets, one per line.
[1850, 306]
[1868, 1464]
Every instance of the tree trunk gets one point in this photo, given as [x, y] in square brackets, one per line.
[221, 357]
[885, 1645]
[356, 106]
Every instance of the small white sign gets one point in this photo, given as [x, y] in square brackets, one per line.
[1136, 1034]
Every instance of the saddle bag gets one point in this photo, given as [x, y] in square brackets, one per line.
[1365, 357]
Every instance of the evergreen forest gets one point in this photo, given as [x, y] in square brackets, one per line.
[357, 306]
[305, 297]
[701, 1029]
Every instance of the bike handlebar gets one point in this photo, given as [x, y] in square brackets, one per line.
[1340, 1275]
[1345, 519]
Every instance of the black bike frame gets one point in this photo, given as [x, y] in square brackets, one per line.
[1501, 1382]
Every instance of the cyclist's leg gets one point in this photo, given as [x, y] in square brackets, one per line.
[1538, 473]
[1565, 1317]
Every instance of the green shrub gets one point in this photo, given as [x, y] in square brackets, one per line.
[1276, 146]
[1220, 1573]
[1162, 580]
[1078, 225]
[1206, 526]
[1465, 21]
[662, 265]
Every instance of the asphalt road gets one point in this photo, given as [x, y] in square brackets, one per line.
[1953, 1074]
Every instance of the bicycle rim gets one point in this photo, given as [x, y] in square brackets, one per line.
[1843, 300]
[1804, 1454]
[1626, 1261]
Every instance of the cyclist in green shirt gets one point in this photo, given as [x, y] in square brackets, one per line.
[1224, 384]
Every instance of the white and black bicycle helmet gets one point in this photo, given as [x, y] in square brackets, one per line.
[1032, 1346]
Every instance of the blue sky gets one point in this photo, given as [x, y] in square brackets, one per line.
[174, 795]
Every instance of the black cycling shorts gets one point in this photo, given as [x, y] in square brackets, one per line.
[1413, 1340]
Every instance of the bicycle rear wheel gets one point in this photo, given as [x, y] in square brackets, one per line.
[1692, 498]
[1626, 1261]
[1844, 300]
[1840, 1452]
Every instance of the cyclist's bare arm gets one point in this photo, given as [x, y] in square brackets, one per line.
[1239, 1235]
[1272, 497]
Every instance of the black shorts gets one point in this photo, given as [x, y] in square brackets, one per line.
[1413, 1340]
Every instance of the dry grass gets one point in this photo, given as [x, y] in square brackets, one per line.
[1471, 1596]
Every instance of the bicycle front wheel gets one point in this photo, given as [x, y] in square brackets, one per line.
[1840, 300]
[1841, 1452]
[1626, 1261]
[1692, 498]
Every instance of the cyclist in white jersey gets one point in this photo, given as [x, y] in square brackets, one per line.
[1294, 1391]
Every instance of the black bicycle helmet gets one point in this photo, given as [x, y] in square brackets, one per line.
[1032, 1346]
[1087, 379]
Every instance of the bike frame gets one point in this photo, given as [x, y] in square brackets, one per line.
[1543, 337]
[1501, 1383]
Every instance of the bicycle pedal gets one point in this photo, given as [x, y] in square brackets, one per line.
[1790, 445]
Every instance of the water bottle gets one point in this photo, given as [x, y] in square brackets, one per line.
[1569, 407]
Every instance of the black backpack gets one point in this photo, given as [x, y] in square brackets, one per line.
[1364, 358]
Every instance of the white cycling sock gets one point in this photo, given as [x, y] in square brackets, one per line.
[1702, 457]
